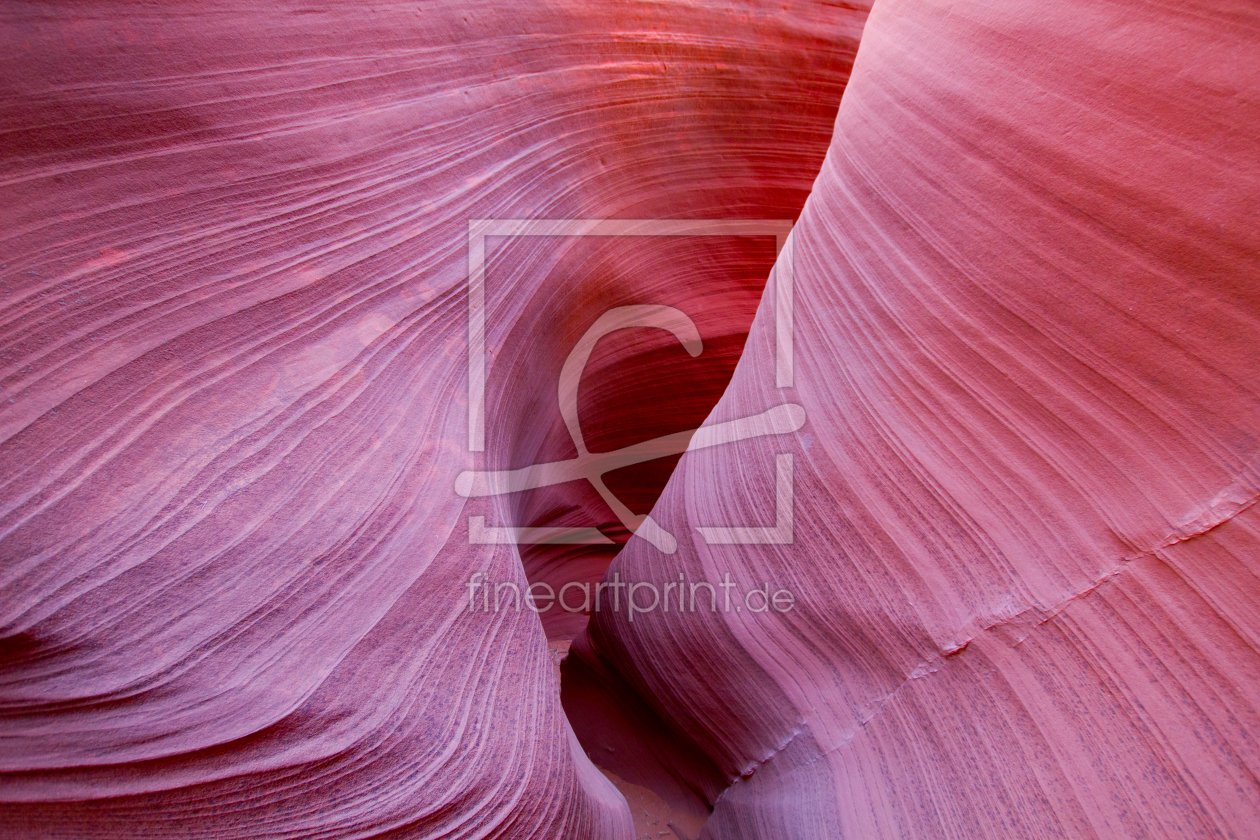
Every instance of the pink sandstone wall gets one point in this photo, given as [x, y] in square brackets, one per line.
[234, 251]
[234, 569]
[1025, 541]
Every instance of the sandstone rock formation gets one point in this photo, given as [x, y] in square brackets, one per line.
[234, 254]
[239, 592]
[1027, 338]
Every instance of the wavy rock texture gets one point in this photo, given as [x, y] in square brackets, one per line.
[234, 385]
[1025, 548]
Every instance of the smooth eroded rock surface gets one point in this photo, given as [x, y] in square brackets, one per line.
[1024, 544]
[234, 254]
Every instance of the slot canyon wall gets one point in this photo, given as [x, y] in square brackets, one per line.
[235, 254]
[1025, 544]
[235, 575]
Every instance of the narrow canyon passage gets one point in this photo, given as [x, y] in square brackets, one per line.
[235, 371]
[310, 343]
[1023, 544]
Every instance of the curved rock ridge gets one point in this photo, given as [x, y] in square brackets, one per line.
[1024, 541]
[234, 586]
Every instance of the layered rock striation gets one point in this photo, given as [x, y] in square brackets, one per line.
[997, 496]
[1024, 544]
[234, 360]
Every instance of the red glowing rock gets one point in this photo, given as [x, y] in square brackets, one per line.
[1027, 339]
[240, 596]
[234, 395]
